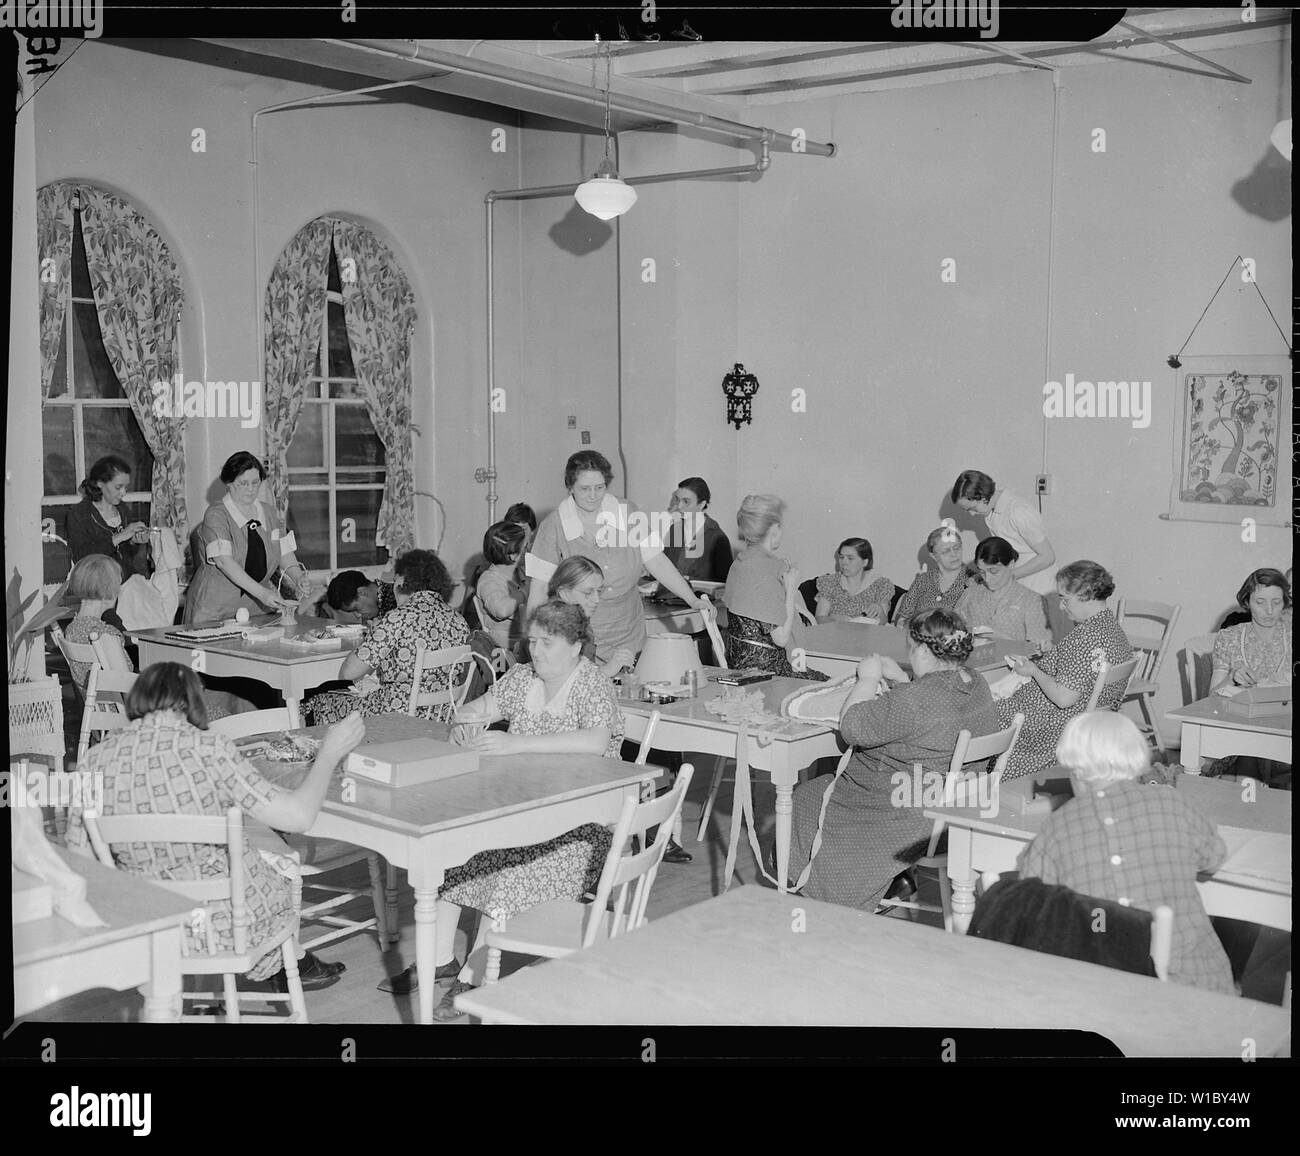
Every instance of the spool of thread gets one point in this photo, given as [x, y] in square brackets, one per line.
[241, 615]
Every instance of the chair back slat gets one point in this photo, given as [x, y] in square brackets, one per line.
[1154, 646]
[1198, 666]
[969, 750]
[1109, 676]
[452, 698]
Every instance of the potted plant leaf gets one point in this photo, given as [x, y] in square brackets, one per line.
[22, 635]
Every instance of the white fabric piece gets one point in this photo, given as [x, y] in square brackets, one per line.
[145, 603]
[1007, 685]
[32, 853]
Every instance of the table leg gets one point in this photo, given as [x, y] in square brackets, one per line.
[961, 874]
[292, 702]
[426, 922]
[162, 994]
[1189, 752]
[784, 814]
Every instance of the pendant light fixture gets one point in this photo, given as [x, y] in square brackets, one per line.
[605, 196]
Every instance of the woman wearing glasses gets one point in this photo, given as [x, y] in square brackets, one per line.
[243, 545]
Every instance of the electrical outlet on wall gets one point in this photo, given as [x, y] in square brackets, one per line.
[1043, 484]
[586, 437]
[573, 421]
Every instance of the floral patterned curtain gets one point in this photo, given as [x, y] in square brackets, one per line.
[138, 298]
[294, 313]
[379, 309]
[54, 271]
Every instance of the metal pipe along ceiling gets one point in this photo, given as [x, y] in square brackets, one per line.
[411, 51]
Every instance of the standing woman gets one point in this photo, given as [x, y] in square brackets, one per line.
[97, 526]
[599, 526]
[937, 587]
[243, 547]
[762, 590]
[1010, 516]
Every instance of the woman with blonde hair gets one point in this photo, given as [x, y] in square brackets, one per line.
[762, 591]
[1139, 845]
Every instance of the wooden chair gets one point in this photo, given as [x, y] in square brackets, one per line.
[1198, 667]
[968, 750]
[442, 704]
[1135, 618]
[563, 926]
[227, 831]
[1162, 929]
[1109, 676]
[105, 711]
[110, 653]
[321, 857]
[643, 757]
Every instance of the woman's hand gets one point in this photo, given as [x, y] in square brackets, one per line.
[871, 667]
[342, 738]
[1021, 664]
[620, 660]
[1243, 677]
[496, 743]
[791, 579]
[876, 610]
[130, 531]
[891, 669]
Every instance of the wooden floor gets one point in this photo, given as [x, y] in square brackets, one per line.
[1261, 963]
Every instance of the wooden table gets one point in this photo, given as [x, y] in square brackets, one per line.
[292, 670]
[739, 960]
[1211, 729]
[836, 648]
[140, 947]
[1254, 882]
[686, 726]
[511, 801]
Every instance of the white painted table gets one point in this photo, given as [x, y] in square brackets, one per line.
[836, 648]
[1212, 729]
[140, 947]
[511, 801]
[756, 957]
[1253, 883]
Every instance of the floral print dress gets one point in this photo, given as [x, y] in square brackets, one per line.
[162, 765]
[1074, 663]
[505, 882]
[389, 649]
[829, 586]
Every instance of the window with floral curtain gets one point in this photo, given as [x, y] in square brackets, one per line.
[110, 300]
[339, 318]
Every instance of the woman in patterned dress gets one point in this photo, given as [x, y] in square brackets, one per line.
[559, 703]
[1258, 652]
[167, 762]
[995, 599]
[1120, 840]
[762, 591]
[874, 826]
[940, 585]
[850, 592]
[1062, 680]
[386, 655]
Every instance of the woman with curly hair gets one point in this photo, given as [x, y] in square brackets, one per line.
[383, 667]
[870, 830]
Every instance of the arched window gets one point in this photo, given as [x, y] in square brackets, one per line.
[339, 316]
[110, 300]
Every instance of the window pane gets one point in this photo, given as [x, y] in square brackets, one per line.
[346, 391]
[92, 373]
[308, 478]
[113, 430]
[334, 283]
[59, 383]
[362, 506]
[80, 269]
[355, 440]
[56, 555]
[340, 352]
[60, 451]
[308, 445]
[309, 512]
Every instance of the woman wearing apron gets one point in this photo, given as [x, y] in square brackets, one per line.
[595, 524]
[242, 546]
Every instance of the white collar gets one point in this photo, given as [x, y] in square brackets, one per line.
[259, 514]
[535, 702]
[611, 511]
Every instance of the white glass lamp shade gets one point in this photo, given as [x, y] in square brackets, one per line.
[667, 658]
[605, 196]
[1281, 138]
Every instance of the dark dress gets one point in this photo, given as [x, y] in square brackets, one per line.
[88, 533]
[710, 561]
[868, 838]
[750, 647]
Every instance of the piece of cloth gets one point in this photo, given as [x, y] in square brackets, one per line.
[872, 830]
[160, 764]
[505, 882]
[879, 593]
[1017, 521]
[223, 533]
[389, 649]
[750, 647]
[1040, 916]
[1075, 663]
[619, 620]
[1141, 846]
[142, 603]
[709, 561]
[90, 533]
[1250, 658]
[1014, 612]
[926, 594]
[754, 586]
